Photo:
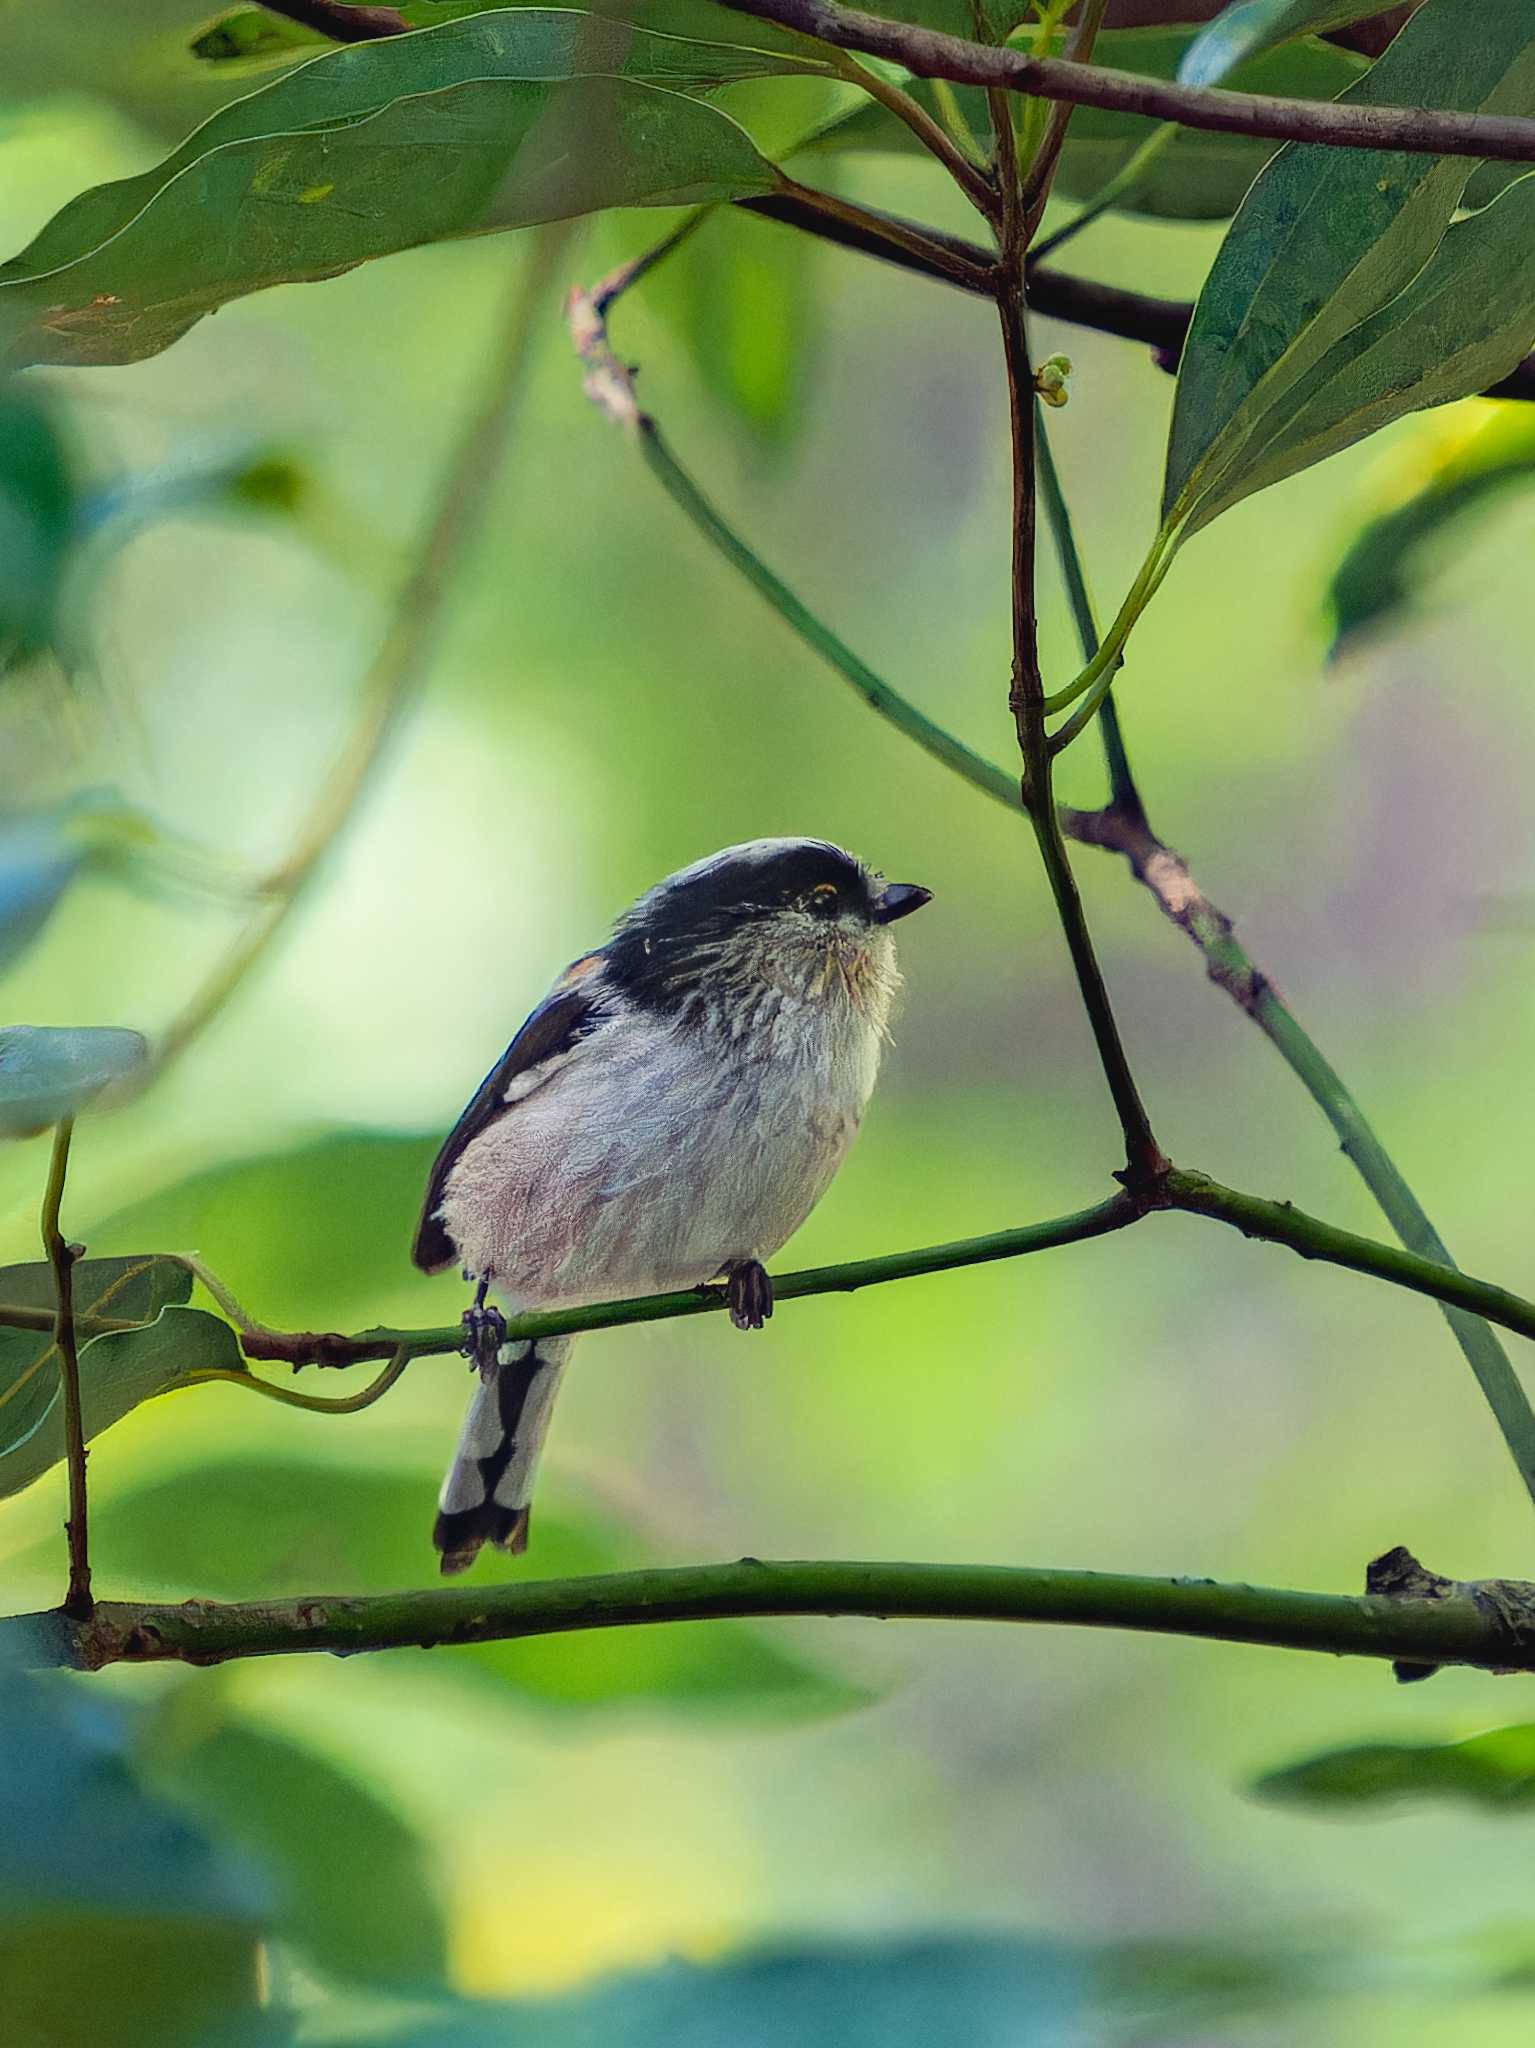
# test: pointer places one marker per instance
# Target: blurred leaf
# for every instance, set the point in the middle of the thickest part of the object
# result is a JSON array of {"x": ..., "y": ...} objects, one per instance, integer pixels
[
  {"x": 120, "y": 1921},
  {"x": 499, "y": 121},
  {"x": 1496, "y": 1770},
  {"x": 305, "y": 1236},
  {"x": 39, "y": 858},
  {"x": 48, "y": 1072},
  {"x": 118, "y": 1370},
  {"x": 1200, "y": 176},
  {"x": 914, "y": 1993},
  {"x": 1250, "y": 26},
  {"x": 742, "y": 300},
  {"x": 36, "y": 524},
  {"x": 1324, "y": 243},
  {"x": 354, "y": 1889},
  {"x": 270, "y": 1527},
  {"x": 1399, "y": 546},
  {"x": 250, "y": 36}
]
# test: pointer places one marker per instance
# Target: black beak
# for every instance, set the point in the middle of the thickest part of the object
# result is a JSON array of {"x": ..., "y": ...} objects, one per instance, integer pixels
[{"x": 899, "y": 899}]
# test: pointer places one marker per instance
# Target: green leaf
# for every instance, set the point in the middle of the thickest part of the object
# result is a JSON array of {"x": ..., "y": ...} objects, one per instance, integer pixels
[
  {"x": 1324, "y": 242},
  {"x": 1405, "y": 539},
  {"x": 1249, "y": 27},
  {"x": 37, "y": 511},
  {"x": 271, "y": 1527},
  {"x": 118, "y": 1370},
  {"x": 354, "y": 1889},
  {"x": 1463, "y": 323},
  {"x": 250, "y": 37},
  {"x": 741, "y": 299},
  {"x": 499, "y": 121},
  {"x": 1495, "y": 1770},
  {"x": 48, "y": 1072},
  {"x": 120, "y": 1921},
  {"x": 1201, "y": 176}
]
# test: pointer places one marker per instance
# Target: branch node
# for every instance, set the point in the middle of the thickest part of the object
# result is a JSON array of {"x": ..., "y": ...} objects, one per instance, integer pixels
[{"x": 1507, "y": 1605}]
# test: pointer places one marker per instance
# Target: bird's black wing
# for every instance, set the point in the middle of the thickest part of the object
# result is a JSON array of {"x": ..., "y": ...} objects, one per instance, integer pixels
[{"x": 567, "y": 1013}]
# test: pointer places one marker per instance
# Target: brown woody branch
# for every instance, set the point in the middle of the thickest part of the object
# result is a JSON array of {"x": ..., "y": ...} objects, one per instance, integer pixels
[
  {"x": 1340, "y": 124},
  {"x": 343, "y": 24}
]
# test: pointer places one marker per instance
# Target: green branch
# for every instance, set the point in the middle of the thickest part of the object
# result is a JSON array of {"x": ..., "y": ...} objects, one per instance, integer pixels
[
  {"x": 307, "y": 1347},
  {"x": 1488, "y": 1626}
]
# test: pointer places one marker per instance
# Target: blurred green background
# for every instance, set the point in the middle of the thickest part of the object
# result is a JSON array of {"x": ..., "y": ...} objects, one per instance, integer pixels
[{"x": 609, "y": 704}]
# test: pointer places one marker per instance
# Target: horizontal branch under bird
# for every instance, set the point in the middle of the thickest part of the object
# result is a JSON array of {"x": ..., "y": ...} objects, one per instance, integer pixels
[{"x": 1417, "y": 1620}]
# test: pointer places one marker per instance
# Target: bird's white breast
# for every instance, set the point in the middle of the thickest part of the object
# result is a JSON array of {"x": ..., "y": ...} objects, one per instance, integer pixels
[{"x": 657, "y": 1152}]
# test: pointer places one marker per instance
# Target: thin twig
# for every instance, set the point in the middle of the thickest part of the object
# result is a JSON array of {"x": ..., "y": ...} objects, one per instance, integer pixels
[
  {"x": 1041, "y": 172},
  {"x": 1416, "y": 1619},
  {"x": 61, "y": 1257},
  {"x": 402, "y": 663},
  {"x": 910, "y": 245},
  {"x": 1341, "y": 124},
  {"x": 317, "y": 1404},
  {"x": 976, "y": 187},
  {"x": 309, "y": 1347}
]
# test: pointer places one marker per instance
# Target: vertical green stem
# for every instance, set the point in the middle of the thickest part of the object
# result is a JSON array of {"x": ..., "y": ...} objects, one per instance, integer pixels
[{"x": 61, "y": 1257}]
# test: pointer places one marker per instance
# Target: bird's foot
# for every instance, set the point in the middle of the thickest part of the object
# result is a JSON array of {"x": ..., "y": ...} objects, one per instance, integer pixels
[
  {"x": 749, "y": 1295},
  {"x": 484, "y": 1334}
]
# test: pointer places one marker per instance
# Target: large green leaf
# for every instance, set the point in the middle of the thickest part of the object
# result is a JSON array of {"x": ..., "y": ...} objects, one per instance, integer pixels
[
  {"x": 1465, "y": 320},
  {"x": 119, "y": 1920},
  {"x": 1201, "y": 176},
  {"x": 1495, "y": 1770},
  {"x": 498, "y": 121},
  {"x": 1324, "y": 242},
  {"x": 1404, "y": 539},
  {"x": 353, "y": 1883},
  {"x": 1248, "y": 27},
  {"x": 118, "y": 1370},
  {"x": 272, "y": 1527},
  {"x": 48, "y": 1072}
]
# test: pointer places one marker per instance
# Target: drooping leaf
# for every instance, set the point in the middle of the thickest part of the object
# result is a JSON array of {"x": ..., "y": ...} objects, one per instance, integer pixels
[
  {"x": 1248, "y": 27},
  {"x": 352, "y": 1882},
  {"x": 498, "y": 121},
  {"x": 270, "y": 1527},
  {"x": 37, "y": 512},
  {"x": 48, "y": 1072},
  {"x": 119, "y": 1919},
  {"x": 1495, "y": 1770},
  {"x": 1465, "y": 320},
  {"x": 1201, "y": 176},
  {"x": 118, "y": 1369},
  {"x": 1326, "y": 239},
  {"x": 1404, "y": 538}
]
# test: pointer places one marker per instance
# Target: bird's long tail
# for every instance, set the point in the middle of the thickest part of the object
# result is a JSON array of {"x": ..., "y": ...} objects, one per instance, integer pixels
[{"x": 487, "y": 1495}]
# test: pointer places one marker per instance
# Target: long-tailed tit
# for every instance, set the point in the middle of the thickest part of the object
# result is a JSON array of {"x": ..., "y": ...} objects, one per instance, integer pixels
[{"x": 668, "y": 1116}]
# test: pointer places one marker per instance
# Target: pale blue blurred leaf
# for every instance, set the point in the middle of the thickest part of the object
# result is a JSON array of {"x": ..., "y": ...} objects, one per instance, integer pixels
[{"x": 48, "y": 1072}]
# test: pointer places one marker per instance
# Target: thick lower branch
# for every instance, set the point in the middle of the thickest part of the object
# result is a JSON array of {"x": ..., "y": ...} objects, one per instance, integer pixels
[{"x": 1490, "y": 1625}]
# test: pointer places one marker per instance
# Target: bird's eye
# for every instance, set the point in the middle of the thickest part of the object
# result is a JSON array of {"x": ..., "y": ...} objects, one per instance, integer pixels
[{"x": 822, "y": 900}]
